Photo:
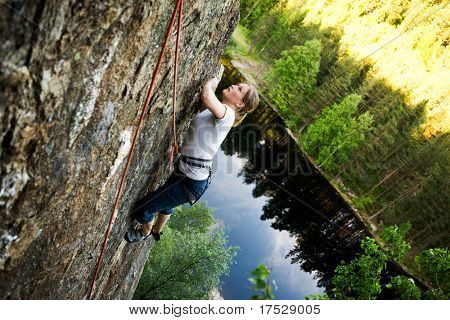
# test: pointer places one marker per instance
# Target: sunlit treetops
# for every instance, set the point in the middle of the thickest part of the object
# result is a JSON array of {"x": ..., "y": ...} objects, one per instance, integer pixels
[{"x": 405, "y": 41}]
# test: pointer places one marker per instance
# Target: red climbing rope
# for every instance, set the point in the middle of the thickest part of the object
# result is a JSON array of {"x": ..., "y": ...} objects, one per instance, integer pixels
[{"x": 178, "y": 7}]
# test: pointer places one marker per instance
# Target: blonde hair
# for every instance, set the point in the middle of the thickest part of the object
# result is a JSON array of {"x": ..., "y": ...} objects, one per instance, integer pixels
[{"x": 251, "y": 101}]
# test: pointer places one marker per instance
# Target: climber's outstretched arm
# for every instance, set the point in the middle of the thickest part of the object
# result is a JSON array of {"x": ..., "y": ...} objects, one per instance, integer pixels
[{"x": 210, "y": 100}]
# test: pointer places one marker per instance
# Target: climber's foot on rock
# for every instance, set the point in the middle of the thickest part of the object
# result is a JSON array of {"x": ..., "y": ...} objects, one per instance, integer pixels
[
  {"x": 139, "y": 233},
  {"x": 135, "y": 235}
]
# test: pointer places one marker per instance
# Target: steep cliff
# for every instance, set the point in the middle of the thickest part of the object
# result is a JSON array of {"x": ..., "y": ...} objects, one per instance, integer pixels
[{"x": 73, "y": 77}]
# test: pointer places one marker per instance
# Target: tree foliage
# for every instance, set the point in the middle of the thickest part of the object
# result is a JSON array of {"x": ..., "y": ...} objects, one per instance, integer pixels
[
  {"x": 435, "y": 266},
  {"x": 404, "y": 288},
  {"x": 393, "y": 238},
  {"x": 360, "y": 279},
  {"x": 252, "y": 10},
  {"x": 337, "y": 133},
  {"x": 197, "y": 218},
  {"x": 317, "y": 296},
  {"x": 188, "y": 261},
  {"x": 261, "y": 283},
  {"x": 293, "y": 78}
]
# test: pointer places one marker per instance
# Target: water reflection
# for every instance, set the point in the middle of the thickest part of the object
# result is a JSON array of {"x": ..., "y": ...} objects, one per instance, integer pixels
[
  {"x": 240, "y": 214},
  {"x": 298, "y": 199}
]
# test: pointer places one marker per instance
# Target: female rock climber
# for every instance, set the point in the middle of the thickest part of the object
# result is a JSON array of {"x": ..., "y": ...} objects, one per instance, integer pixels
[{"x": 192, "y": 173}]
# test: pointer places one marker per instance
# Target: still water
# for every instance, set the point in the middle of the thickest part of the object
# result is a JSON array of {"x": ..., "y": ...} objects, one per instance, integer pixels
[
  {"x": 240, "y": 213},
  {"x": 278, "y": 209}
]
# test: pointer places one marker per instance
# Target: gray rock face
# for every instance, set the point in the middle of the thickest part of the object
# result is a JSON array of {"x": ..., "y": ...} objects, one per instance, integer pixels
[{"x": 73, "y": 76}]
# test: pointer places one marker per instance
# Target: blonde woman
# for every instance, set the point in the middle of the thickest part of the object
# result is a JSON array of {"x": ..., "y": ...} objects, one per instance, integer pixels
[{"x": 192, "y": 173}]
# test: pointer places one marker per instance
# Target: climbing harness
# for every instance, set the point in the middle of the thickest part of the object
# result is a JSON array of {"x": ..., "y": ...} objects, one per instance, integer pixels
[
  {"x": 198, "y": 163},
  {"x": 174, "y": 148}
]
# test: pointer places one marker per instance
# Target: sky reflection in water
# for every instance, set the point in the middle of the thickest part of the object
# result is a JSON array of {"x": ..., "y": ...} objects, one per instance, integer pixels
[{"x": 240, "y": 213}]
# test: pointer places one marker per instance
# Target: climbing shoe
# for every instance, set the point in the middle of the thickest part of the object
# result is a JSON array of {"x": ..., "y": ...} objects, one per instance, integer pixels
[
  {"x": 135, "y": 235},
  {"x": 156, "y": 236}
]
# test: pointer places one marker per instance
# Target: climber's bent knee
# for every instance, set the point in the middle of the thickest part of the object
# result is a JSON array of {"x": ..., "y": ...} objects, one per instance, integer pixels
[
  {"x": 145, "y": 218},
  {"x": 167, "y": 211}
]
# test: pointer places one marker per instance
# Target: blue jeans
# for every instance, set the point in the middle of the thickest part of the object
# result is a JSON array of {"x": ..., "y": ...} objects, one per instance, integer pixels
[{"x": 167, "y": 197}]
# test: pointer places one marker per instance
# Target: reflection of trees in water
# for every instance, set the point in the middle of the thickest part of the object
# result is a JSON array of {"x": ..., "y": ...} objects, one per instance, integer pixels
[{"x": 300, "y": 200}]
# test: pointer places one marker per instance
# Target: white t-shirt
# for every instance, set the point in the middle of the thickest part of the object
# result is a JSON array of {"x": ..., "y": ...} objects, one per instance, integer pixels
[{"x": 206, "y": 134}]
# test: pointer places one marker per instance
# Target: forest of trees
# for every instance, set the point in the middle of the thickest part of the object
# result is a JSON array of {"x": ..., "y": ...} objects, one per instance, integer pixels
[{"x": 379, "y": 70}]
